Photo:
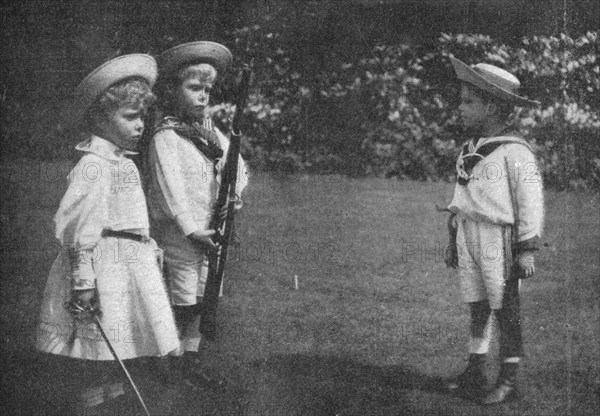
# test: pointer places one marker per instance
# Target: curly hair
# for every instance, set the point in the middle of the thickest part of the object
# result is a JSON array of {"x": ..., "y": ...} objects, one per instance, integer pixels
[{"x": 131, "y": 91}]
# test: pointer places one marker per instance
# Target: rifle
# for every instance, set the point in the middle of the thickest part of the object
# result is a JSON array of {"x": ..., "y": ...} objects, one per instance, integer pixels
[{"x": 223, "y": 228}]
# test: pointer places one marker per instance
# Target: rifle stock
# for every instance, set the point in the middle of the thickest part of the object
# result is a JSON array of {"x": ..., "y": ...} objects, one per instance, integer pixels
[{"x": 223, "y": 228}]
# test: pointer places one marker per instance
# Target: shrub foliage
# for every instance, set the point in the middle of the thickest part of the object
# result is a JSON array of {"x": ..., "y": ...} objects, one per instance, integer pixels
[
  {"x": 388, "y": 112},
  {"x": 393, "y": 112}
]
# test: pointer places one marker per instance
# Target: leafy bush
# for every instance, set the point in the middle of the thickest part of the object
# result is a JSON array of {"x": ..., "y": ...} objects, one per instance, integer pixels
[
  {"x": 393, "y": 112},
  {"x": 274, "y": 106},
  {"x": 388, "y": 112},
  {"x": 564, "y": 74}
]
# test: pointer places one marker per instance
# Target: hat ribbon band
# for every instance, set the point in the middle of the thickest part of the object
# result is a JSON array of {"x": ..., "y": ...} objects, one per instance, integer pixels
[{"x": 498, "y": 81}]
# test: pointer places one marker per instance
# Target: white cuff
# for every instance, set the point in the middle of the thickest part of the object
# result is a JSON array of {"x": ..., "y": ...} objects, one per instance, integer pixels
[{"x": 186, "y": 222}]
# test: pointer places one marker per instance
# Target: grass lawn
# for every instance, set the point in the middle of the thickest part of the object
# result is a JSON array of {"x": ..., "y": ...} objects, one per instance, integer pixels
[{"x": 376, "y": 323}]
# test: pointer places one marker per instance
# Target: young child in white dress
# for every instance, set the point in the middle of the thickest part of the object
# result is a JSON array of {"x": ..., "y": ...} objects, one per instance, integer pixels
[{"x": 108, "y": 263}]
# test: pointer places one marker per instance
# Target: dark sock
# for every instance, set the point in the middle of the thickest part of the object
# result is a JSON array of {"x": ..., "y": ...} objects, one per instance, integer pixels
[
  {"x": 477, "y": 359},
  {"x": 480, "y": 314},
  {"x": 183, "y": 316}
]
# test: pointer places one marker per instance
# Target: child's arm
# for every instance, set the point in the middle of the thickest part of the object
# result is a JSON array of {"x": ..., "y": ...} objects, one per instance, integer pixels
[
  {"x": 203, "y": 237},
  {"x": 82, "y": 214},
  {"x": 526, "y": 188},
  {"x": 170, "y": 171}
]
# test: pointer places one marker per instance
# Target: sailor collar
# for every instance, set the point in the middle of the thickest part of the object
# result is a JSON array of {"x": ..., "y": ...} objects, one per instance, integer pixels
[
  {"x": 103, "y": 148},
  {"x": 473, "y": 152}
]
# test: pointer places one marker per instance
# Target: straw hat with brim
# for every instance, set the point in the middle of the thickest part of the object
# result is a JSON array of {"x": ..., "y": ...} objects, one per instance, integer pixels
[
  {"x": 206, "y": 52},
  {"x": 494, "y": 80},
  {"x": 107, "y": 74}
]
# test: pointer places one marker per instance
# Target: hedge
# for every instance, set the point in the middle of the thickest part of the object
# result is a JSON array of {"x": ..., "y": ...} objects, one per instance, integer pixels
[
  {"x": 390, "y": 112},
  {"x": 393, "y": 111}
]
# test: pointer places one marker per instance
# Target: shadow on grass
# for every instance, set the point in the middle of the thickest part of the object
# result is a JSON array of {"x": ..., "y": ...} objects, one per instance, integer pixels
[
  {"x": 35, "y": 383},
  {"x": 32, "y": 384},
  {"x": 326, "y": 385}
]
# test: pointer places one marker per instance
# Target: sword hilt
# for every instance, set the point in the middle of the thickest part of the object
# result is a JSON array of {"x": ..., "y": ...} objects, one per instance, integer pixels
[{"x": 79, "y": 311}]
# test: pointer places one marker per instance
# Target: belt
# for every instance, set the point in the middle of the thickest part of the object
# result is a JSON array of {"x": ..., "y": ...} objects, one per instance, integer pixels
[{"x": 107, "y": 232}]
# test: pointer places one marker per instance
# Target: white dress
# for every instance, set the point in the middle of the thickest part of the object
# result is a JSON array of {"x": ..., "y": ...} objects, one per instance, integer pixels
[{"x": 105, "y": 193}]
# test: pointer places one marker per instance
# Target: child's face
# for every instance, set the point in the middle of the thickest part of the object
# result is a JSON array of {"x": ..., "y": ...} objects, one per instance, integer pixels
[
  {"x": 124, "y": 127},
  {"x": 473, "y": 110},
  {"x": 192, "y": 97}
]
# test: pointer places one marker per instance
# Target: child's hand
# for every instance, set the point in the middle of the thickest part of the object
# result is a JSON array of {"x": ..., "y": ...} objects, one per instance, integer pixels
[
  {"x": 223, "y": 213},
  {"x": 238, "y": 204},
  {"x": 84, "y": 297},
  {"x": 203, "y": 238},
  {"x": 236, "y": 207},
  {"x": 84, "y": 304},
  {"x": 526, "y": 264}
]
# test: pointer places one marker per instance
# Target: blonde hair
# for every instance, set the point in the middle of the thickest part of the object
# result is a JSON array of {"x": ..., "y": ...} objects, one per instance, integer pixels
[
  {"x": 167, "y": 86},
  {"x": 131, "y": 91},
  {"x": 205, "y": 72}
]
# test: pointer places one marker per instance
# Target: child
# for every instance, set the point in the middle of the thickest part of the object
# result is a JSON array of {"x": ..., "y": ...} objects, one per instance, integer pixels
[
  {"x": 186, "y": 157},
  {"x": 498, "y": 209},
  {"x": 107, "y": 262}
]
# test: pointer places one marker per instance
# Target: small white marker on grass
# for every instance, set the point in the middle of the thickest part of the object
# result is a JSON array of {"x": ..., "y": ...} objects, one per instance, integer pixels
[{"x": 295, "y": 282}]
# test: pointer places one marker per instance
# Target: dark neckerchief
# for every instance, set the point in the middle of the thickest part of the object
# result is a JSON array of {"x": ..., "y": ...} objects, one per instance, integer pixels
[
  {"x": 473, "y": 157},
  {"x": 205, "y": 140}
]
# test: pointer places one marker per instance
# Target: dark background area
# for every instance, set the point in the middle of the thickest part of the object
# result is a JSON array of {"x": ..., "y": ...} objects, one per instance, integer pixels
[
  {"x": 48, "y": 46},
  {"x": 355, "y": 87}
]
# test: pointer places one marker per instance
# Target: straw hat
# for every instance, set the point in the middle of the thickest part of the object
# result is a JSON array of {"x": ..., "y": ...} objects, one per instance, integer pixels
[
  {"x": 207, "y": 52},
  {"x": 109, "y": 73},
  {"x": 494, "y": 80}
]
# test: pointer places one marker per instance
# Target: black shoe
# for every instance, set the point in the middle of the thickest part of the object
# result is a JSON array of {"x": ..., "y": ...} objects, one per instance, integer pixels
[
  {"x": 472, "y": 383},
  {"x": 192, "y": 372},
  {"x": 503, "y": 392},
  {"x": 506, "y": 386}
]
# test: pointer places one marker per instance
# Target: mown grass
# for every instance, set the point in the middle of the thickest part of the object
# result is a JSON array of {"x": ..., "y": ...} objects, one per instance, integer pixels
[{"x": 375, "y": 325}]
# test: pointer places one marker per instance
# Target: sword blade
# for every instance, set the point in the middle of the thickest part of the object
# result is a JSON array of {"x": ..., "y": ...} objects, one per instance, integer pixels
[{"x": 112, "y": 351}]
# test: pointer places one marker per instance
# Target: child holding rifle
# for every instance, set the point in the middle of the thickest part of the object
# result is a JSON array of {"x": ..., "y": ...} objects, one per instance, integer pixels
[
  {"x": 108, "y": 265},
  {"x": 185, "y": 162},
  {"x": 498, "y": 212}
]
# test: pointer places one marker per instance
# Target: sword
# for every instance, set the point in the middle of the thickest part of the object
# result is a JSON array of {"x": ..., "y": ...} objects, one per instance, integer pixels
[{"x": 79, "y": 311}]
